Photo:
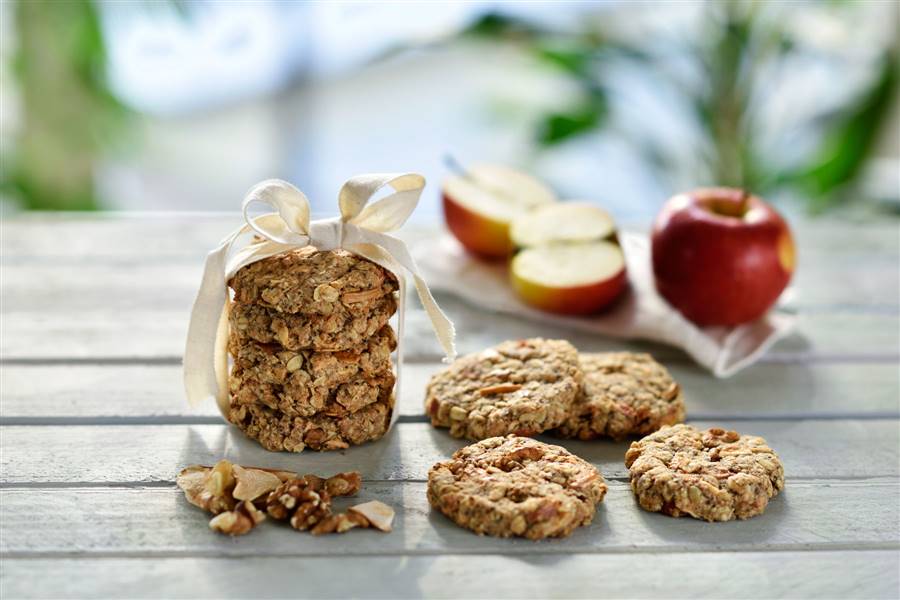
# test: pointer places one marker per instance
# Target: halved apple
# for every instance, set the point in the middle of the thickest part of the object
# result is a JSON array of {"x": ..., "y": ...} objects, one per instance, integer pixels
[
  {"x": 564, "y": 222},
  {"x": 575, "y": 279},
  {"x": 480, "y": 204}
]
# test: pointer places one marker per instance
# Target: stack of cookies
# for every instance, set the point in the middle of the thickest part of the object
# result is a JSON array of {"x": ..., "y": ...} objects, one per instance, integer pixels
[{"x": 311, "y": 349}]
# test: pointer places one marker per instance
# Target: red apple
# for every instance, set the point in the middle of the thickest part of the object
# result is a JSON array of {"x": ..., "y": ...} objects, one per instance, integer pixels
[
  {"x": 721, "y": 256},
  {"x": 480, "y": 204},
  {"x": 575, "y": 279}
]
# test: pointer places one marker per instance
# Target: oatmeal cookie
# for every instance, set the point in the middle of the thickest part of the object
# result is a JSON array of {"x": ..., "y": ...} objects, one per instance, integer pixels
[
  {"x": 315, "y": 282},
  {"x": 522, "y": 387},
  {"x": 270, "y": 363},
  {"x": 623, "y": 394},
  {"x": 340, "y": 330},
  {"x": 715, "y": 475},
  {"x": 300, "y": 396},
  {"x": 276, "y": 431},
  {"x": 516, "y": 486}
]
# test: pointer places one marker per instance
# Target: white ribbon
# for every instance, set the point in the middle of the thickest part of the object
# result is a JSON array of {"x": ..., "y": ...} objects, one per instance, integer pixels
[{"x": 362, "y": 228}]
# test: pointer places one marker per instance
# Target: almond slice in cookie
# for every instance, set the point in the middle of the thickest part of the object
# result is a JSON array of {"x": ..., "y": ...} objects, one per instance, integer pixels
[{"x": 502, "y": 388}]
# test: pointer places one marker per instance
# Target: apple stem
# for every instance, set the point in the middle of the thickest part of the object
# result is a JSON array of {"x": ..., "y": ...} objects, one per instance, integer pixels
[{"x": 742, "y": 203}]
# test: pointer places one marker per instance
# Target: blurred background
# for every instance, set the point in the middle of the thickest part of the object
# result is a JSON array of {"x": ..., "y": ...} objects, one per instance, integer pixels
[{"x": 161, "y": 106}]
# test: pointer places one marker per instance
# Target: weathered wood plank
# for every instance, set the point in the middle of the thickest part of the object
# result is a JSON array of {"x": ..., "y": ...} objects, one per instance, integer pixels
[
  {"x": 869, "y": 574},
  {"x": 36, "y": 393},
  {"x": 817, "y": 515},
  {"x": 187, "y": 237},
  {"x": 134, "y": 326},
  {"x": 157, "y": 287},
  {"x": 152, "y": 453}
]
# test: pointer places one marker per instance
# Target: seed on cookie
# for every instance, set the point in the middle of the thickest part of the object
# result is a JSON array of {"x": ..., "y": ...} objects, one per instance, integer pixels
[
  {"x": 522, "y": 387},
  {"x": 715, "y": 475},
  {"x": 516, "y": 486},
  {"x": 623, "y": 394}
]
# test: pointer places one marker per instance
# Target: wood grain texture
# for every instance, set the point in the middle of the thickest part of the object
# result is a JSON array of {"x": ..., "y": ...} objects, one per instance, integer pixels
[
  {"x": 146, "y": 327},
  {"x": 42, "y": 393},
  {"x": 815, "y": 575},
  {"x": 88, "y": 287},
  {"x": 94, "y": 429},
  {"x": 151, "y": 453},
  {"x": 808, "y": 515},
  {"x": 184, "y": 237}
]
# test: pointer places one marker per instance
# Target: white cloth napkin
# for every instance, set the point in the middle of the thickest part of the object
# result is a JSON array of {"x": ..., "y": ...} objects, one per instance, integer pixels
[{"x": 641, "y": 314}]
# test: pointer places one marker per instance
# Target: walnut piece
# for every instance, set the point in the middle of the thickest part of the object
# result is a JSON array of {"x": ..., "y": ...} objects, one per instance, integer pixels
[
  {"x": 340, "y": 523},
  {"x": 302, "y": 501},
  {"x": 344, "y": 484},
  {"x": 239, "y": 521}
]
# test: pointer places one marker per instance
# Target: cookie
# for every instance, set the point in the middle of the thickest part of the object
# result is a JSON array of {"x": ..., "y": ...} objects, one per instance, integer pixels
[
  {"x": 276, "y": 431},
  {"x": 522, "y": 387},
  {"x": 715, "y": 475},
  {"x": 270, "y": 363},
  {"x": 623, "y": 394},
  {"x": 314, "y": 282},
  {"x": 516, "y": 486},
  {"x": 340, "y": 330},
  {"x": 300, "y": 397}
]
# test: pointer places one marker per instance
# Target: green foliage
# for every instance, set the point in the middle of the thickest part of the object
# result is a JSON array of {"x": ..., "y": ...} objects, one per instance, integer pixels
[
  {"x": 849, "y": 140},
  {"x": 731, "y": 54},
  {"x": 557, "y": 127},
  {"x": 69, "y": 115}
]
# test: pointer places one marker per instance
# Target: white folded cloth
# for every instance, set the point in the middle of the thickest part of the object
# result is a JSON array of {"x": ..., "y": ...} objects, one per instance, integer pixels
[{"x": 641, "y": 314}]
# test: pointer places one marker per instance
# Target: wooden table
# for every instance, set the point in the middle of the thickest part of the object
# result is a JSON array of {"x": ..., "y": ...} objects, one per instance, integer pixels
[{"x": 95, "y": 427}]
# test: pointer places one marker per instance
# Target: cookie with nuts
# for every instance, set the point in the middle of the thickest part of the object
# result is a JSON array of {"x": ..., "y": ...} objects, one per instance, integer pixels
[
  {"x": 516, "y": 486},
  {"x": 277, "y": 431},
  {"x": 304, "y": 383},
  {"x": 522, "y": 387},
  {"x": 714, "y": 475},
  {"x": 271, "y": 363},
  {"x": 314, "y": 282},
  {"x": 623, "y": 394},
  {"x": 339, "y": 330}
]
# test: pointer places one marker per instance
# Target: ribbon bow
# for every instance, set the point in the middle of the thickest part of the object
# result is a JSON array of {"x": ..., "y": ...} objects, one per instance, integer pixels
[{"x": 362, "y": 228}]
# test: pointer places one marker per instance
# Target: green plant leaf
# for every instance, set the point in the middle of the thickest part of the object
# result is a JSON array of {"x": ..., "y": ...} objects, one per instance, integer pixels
[
  {"x": 560, "y": 126},
  {"x": 850, "y": 140}
]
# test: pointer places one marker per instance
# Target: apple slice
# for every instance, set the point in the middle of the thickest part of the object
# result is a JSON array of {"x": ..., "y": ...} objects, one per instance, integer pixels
[
  {"x": 564, "y": 222},
  {"x": 480, "y": 204},
  {"x": 574, "y": 279}
]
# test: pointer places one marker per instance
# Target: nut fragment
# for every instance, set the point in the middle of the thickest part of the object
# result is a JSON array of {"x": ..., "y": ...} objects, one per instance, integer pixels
[
  {"x": 378, "y": 514},
  {"x": 340, "y": 523},
  {"x": 194, "y": 481},
  {"x": 458, "y": 413},
  {"x": 502, "y": 388},
  {"x": 344, "y": 484},
  {"x": 239, "y": 521},
  {"x": 325, "y": 293},
  {"x": 294, "y": 364},
  {"x": 253, "y": 483},
  {"x": 299, "y": 501},
  {"x": 221, "y": 479},
  {"x": 361, "y": 296}
]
